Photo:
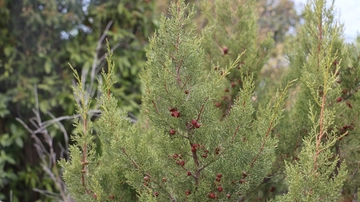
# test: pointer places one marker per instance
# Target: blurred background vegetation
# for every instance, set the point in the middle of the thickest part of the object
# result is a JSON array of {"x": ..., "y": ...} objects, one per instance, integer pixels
[{"x": 38, "y": 38}]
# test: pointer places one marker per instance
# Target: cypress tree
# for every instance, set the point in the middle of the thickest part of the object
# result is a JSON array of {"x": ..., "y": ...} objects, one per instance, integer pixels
[
  {"x": 197, "y": 140},
  {"x": 186, "y": 152}
]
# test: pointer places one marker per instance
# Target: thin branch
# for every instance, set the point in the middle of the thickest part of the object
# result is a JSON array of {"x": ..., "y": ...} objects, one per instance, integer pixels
[
  {"x": 95, "y": 62},
  {"x": 322, "y": 110},
  {"x": 104, "y": 56},
  {"x": 61, "y": 118},
  {"x": 202, "y": 109},
  {"x": 47, "y": 193},
  {"x": 48, "y": 164},
  {"x": 235, "y": 132},
  {"x": 65, "y": 134}
]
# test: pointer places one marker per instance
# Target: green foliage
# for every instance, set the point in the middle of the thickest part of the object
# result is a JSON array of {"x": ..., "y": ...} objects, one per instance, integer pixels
[
  {"x": 232, "y": 29},
  {"x": 347, "y": 118},
  {"x": 277, "y": 17},
  {"x": 9, "y": 146},
  {"x": 315, "y": 167},
  {"x": 307, "y": 183},
  {"x": 100, "y": 185},
  {"x": 184, "y": 134},
  {"x": 188, "y": 146},
  {"x": 36, "y": 39}
]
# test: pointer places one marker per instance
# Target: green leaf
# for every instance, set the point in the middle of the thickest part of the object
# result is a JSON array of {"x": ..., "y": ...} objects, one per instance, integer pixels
[
  {"x": 5, "y": 140},
  {"x": 5, "y": 158},
  {"x": 19, "y": 142},
  {"x": 125, "y": 62},
  {"x": 3, "y": 105},
  {"x": 8, "y": 50},
  {"x": 47, "y": 66},
  {"x": 10, "y": 160},
  {"x": 120, "y": 8}
]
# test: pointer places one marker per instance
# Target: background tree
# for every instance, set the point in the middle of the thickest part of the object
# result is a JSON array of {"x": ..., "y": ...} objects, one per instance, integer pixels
[
  {"x": 314, "y": 170},
  {"x": 37, "y": 40},
  {"x": 232, "y": 30},
  {"x": 348, "y": 119},
  {"x": 326, "y": 94}
]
